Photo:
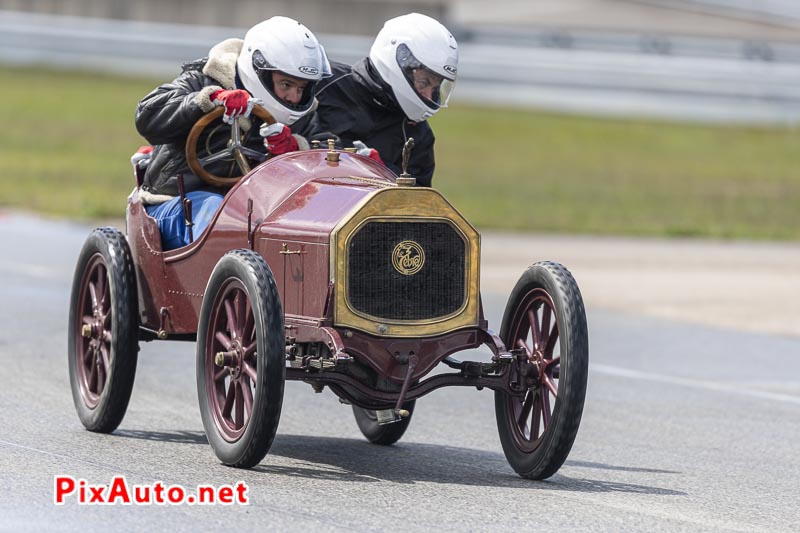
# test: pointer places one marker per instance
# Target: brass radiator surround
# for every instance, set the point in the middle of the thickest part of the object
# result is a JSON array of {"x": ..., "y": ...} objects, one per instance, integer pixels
[{"x": 403, "y": 204}]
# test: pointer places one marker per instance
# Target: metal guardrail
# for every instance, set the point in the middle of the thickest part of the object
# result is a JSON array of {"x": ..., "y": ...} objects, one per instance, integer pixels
[
  {"x": 750, "y": 9},
  {"x": 638, "y": 43},
  {"x": 610, "y": 74}
]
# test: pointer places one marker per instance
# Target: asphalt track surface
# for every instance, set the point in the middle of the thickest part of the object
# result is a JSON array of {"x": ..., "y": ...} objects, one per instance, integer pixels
[{"x": 687, "y": 428}]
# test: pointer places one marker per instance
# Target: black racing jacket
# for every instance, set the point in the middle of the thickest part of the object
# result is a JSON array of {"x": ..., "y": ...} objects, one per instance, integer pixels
[
  {"x": 166, "y": 116},
  {"x": 357, "y": 105}
]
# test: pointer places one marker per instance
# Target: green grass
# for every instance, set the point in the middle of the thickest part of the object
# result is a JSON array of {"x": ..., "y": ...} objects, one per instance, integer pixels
[
  {"x": 543, "y": 172},
  {"x": 67, "y": 137}
]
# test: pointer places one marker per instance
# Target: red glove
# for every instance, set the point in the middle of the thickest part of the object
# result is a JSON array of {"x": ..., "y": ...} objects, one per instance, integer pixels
[
  {"x": 235, "y": 102},
  {"x": 363, "y": 149},
  {"x": 278, "y": 138},
  {"x": 142, "y": 153}
]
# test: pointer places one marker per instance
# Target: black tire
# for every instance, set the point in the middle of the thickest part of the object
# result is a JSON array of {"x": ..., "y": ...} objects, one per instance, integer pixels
[
  {"x": 387, "y": 434},
  {"x": 102, "y": 358},
  {"x": 244, "y": 281},
  {"x": 532, "y": 454}
]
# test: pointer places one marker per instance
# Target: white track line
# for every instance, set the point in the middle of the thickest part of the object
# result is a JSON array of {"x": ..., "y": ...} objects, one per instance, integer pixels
[
  {"x": 693, "y": 383},
  {"x": 56, "y": 455}
]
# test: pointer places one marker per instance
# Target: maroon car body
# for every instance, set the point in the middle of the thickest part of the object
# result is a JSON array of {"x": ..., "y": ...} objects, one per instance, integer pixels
[
  {"x": 375, "y": 283},
  {"x": 286, "y": 211}
]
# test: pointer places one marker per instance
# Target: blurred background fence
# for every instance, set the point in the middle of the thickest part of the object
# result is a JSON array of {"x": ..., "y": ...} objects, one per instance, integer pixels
[{"x": 697, "y": 60}]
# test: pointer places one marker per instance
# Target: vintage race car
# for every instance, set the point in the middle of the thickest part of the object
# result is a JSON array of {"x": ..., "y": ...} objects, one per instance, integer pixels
[{"x": 325, "y": 267}]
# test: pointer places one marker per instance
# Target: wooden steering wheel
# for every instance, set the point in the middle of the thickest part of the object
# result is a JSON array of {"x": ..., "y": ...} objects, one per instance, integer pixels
[{"x": 234, "y": 149}]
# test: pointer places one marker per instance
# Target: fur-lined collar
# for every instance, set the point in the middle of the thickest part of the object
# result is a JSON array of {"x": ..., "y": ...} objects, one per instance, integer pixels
[{"x": 221, "y": 64}]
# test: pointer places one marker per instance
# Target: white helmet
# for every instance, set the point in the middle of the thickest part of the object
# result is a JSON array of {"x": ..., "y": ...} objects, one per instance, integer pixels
[
  {"x": 418, "y": 58},
  {"x": 282, "y": 44}
]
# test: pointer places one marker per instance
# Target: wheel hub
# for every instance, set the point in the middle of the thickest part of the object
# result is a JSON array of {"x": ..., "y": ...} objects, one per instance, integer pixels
[
  {"x": 233, "y": 360},
  {"x": 95, "y": 331},
  {"x": 532, "y": 369},
  {"x": 537, "y": 360}
]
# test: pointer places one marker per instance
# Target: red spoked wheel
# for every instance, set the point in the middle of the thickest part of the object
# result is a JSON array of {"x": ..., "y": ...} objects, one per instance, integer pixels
[
  {"x": 545, "y": 325},
  {"x": 240, "y": 359},
  {"x": 94, "y": 351},
  {"x": 536, "y": 333},
  {"x": 103, "y": 331},
  {"x": 232, "y": 371}
]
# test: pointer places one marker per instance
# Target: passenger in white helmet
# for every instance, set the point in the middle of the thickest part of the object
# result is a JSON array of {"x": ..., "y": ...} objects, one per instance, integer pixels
[
  {"x": 279, "y": 63},
  {"x": 387, "y": 97}
]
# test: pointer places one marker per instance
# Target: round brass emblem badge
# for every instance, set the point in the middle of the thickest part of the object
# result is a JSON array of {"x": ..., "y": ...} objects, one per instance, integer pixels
[{"x": 408, "y": 258}]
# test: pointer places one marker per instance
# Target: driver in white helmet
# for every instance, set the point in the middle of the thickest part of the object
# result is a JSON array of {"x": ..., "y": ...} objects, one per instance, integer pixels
[
  {"x": 387, "y": 97},
  {"x": 279, "y": 62}
]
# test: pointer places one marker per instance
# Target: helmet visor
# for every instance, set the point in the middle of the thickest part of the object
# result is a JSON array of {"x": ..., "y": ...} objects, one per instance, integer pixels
[
  {"x": 432, "y": 88},
  {"x": 294, "y": 93}
]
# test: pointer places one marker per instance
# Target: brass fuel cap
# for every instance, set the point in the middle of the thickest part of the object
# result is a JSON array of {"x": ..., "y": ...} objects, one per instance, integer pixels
[{"x": 333, "y": 155}]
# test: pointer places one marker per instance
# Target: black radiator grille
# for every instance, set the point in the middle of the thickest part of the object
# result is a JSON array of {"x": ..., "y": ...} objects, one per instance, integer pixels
[{"x": 430, "y": 290}]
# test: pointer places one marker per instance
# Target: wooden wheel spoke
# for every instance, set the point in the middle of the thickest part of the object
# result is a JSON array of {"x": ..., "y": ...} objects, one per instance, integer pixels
[
  {"x": 105, "y": 359},
  {"x": 231, "y": 316},
  {"x": 546, "y": 411},
  {"x": 547, "y": 313},
  {"x": 525, "y": 412},
  {"x": 101, "y": 377},
  {"x": 238, "y": 406},
  {"x": 92, "y": 379},
  {"x": 247, "y": 395},
  {"x": 241, "y": 314},
  {"x": 93, "y": 294},
  {"x": 220, "y": 374},
  {"x": 250, "y": 371},
  {"x": 249, "y": 350},
  {"x": 537, "y": 416},
  {"x": 226, "y": 409},
  {"x": 101, "y": 285},
  {"x": 535, "y": 331},
  {"x": 548, "y": 382},
  {"x": 224, "y": 340}
]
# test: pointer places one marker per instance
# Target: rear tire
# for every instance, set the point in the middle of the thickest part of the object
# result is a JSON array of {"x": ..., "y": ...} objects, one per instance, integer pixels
[
  {"x": 384, "y": 435},
  {"x": 103, "y": 331}
]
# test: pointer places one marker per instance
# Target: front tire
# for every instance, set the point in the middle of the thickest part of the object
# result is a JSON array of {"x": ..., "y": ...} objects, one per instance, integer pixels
[
  {"x": 103, "y": 331},
  {"x": 241, "y": 367},
  {"x": 545, "y": 318}
]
